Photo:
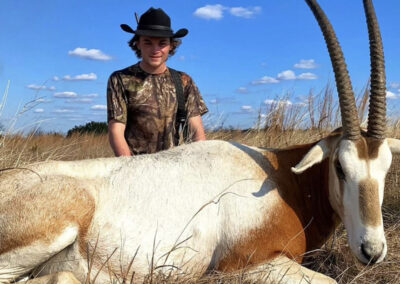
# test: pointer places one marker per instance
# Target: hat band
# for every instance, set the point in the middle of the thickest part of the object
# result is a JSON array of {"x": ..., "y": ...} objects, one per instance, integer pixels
[{"x": 153, "y": 27}]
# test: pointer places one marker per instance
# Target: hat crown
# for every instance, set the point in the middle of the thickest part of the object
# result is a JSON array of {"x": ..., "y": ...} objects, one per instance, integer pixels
[
  {"x": 155, "y": 23},
  {"x": 154, "y": 17}
]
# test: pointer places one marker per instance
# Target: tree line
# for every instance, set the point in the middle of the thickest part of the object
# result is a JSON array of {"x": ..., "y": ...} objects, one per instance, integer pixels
[{"x": 92, "y": 127}]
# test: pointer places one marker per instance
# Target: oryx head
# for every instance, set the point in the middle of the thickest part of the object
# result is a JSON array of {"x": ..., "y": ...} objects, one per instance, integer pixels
[{"x": 358, "y": 160}]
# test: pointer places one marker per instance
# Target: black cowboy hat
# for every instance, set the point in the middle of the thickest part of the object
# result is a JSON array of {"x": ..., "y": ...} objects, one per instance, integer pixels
[{"x": 155, "y": 23}]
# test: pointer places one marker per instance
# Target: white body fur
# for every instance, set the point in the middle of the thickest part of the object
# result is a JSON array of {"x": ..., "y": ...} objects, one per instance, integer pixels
[{"x": 189, "y": 193}]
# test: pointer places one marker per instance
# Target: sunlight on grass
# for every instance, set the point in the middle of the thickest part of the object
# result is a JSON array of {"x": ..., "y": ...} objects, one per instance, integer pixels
[{"x": 282, "y": 125}]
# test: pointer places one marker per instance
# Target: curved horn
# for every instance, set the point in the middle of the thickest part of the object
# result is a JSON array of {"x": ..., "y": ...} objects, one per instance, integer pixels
[
  {"x": 351, "y": 125},
  {"x": 377, "y": 100}
]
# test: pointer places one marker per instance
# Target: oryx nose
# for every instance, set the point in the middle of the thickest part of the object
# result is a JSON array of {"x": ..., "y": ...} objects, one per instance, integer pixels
[{"x": 372, "y": 252}]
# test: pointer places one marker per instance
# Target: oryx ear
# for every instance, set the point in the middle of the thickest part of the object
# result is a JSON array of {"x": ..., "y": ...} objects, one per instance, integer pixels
[
  {"x": 394, "y": 145},
  {"x": 315, "y": 155}
]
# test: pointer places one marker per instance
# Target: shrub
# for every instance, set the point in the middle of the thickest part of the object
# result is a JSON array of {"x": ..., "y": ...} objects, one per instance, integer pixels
[{"x": 92, "y": 127}]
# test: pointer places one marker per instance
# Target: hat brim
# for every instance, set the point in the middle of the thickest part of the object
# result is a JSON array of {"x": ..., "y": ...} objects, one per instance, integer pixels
[
  {"x": 155, "y": 33},
  {"x": 127, "y": 28},
  {"x": 181, "y": 33}
]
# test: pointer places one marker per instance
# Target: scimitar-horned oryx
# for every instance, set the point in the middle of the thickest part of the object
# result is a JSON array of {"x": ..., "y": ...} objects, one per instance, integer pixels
[{"x": 210, "y": 205}]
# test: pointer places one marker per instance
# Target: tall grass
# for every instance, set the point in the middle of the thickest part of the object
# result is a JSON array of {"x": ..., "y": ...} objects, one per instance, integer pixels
[
  {"x": 17, "y": 150},
  {"x": 281, "y": 125}
]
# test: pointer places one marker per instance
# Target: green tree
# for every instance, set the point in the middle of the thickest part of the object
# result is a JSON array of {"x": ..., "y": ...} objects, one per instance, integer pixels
[{"x": 92, "y": 127}]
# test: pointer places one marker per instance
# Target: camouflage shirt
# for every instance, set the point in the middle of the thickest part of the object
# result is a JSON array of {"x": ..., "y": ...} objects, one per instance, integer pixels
[{"x": 147, "y": 105}]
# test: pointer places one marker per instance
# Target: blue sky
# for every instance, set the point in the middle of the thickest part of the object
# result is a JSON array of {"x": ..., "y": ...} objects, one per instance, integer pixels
[{"x": 241, "y": 54}]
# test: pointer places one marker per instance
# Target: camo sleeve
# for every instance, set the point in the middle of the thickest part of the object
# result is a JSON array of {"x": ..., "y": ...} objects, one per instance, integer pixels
[
  {"x": 116, "y": 103},
  {"x": 194, "y": 102}
]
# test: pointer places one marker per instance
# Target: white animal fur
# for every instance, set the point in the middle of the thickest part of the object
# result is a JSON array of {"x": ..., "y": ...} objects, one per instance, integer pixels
[
  {"x": 182, "y": 208},
  {"x": 202, "y": 182}
]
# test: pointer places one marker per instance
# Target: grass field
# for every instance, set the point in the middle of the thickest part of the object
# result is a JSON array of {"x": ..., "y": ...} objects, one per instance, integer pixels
[
  {"x": 282, "y": 126},
  {"x": 333, "y": 259}
]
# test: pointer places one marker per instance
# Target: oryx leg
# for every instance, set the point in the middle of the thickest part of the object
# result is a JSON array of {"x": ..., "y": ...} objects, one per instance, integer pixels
[
  {"x": 284, "y": 270},
  {"x": 69, "y": 259},
  {"x": 39, "y": 221},
  {"x": 55, "y": 278},
  {"x": 21, "y": 260}
]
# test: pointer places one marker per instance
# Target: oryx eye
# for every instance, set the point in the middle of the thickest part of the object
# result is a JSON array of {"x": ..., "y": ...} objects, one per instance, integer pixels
[{"x": 339, "y": 170}]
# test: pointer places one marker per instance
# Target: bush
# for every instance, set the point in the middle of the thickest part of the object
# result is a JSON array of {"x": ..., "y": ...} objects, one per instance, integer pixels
[{"x": 89, "y": 128}]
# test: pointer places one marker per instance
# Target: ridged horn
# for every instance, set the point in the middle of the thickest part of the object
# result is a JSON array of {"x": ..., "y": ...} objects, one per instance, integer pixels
[
  {"x": 351, "y": 125},
  {"x": 377, "y": 100}
]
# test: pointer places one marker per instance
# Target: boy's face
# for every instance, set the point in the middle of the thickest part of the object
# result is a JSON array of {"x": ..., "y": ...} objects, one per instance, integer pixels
[{"x": 154, "y": 50}]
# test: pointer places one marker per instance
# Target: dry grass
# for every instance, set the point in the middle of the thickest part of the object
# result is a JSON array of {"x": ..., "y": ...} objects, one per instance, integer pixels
[
  {"x": 334, "y": 259},
  {"x": 284, "y": 125},
  {"x": 16, "y": 150}
]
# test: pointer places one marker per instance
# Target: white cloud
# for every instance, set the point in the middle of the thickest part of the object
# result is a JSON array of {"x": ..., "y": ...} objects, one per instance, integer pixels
[
  {"x": 181, "y": 57},
  {"x": 246, "y": 108},
  {"x": 81, "y": 77},
  {"x": 98, "y": 114},
  {"x": 38, "y": 110},
  {"x": 214, "y": 12},
  {"x": 242, "y": 90},
  {"x": 65, "y": 95},
  {"x": 269, "y": 102},
  {"x": 306, "y": 64},
  {"x": 307, "y": 76},
  {"x": 242, "y": 12},
  {"x": 42, "y": 87},
  {"x": 290, "y": 75},
  {"x": 223, "y": 100},
  {"x": 95, "y": 54},
  {"x": 302, "y": 104},
  {"x": 265, "y": 80},
  {"x": 55, "y": 78},
  {"x": 394, "y": 85},
  {"x": 98, "y": 107},
  {"x": 390, "y": 95},
  {"x": 63, "y": 110},
  {"x": 91, "y": 95},
  {"x": 36, "y": 87},
  {"x": 42, "y": 100},
  {"x": 286, "y": 75},
  {"x": 80, "y": 100},
  {"x": 279, "y": 102}
]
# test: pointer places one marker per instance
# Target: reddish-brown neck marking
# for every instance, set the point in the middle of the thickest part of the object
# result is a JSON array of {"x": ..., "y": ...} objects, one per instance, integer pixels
[{"x": 302, "y": 220}]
